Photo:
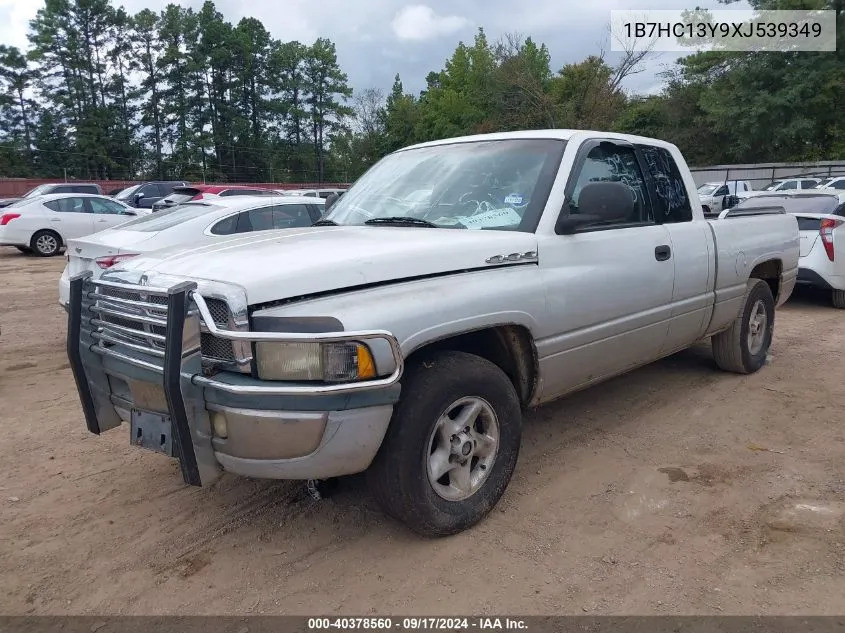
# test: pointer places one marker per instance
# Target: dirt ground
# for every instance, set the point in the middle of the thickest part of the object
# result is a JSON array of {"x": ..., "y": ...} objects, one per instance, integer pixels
[{"x": 651, "y": 494}]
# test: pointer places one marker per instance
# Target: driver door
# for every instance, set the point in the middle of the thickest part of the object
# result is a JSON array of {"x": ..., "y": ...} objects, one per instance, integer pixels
[{"x": 608, "y": 287}]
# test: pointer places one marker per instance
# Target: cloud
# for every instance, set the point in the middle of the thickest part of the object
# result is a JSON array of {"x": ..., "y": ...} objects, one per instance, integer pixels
[
  {"x": 418, "y": 37},
  {"x": 419, "y": 22}
]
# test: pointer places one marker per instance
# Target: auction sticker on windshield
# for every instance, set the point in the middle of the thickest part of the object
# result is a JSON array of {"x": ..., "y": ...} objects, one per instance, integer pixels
[{"x": 491, "y": 219}]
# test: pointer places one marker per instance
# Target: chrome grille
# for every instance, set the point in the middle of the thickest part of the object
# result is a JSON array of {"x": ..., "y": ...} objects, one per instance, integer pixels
[{"x": 132, "y": 320}]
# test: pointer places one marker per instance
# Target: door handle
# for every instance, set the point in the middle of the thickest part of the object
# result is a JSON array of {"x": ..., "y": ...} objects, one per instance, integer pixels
[
  {"x": 662, "y": 252},
  {"x": 102, "y": 220}
]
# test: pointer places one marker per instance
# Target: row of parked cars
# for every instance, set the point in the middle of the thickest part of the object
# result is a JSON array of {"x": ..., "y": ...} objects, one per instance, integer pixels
[
  {"x": 47, "y": 217},
  {"x": 716, "y": 196},
  {"x": 819, "y": 206}
]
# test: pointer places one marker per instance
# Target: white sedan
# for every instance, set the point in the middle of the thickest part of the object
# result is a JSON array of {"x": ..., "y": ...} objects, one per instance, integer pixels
[
  {"x": 45, "y": 224},
  {"x": 187, "y": 223}
]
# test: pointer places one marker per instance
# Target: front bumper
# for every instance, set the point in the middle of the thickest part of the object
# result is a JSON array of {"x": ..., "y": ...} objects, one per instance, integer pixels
[{"x": 227, "y": 421}]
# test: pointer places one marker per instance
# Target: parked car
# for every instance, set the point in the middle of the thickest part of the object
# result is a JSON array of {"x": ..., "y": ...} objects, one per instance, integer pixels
[
  {"x": 145, "y": 194},
  {"x": 406, "y": 339},
  {"x": 312, "y": 193},
  {"x": 203, "y": 192},
  {"x": 189, "y": 223},
  {"x": 43, "y": 225},
  {"x": 714, "y": 195},
  {"x": 63, "y": 187},
  {"x": 832, "y": 183},
  {"x": 821, "y": 216},
  {"x": 787, "y": 184}
]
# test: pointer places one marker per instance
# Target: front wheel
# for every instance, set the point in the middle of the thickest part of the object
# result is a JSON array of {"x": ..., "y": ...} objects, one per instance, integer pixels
[
  {"x": 452, "y": 445},
  {"x": 743, "y": 347}
]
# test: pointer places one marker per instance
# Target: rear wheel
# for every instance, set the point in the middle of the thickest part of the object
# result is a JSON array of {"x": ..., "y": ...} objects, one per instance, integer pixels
[
  {"x": 452, "y": 445},
  {"x": 743, "y": 347},
  {"x": 839, "y": 299},
  {"x": 46, "y": 243}
]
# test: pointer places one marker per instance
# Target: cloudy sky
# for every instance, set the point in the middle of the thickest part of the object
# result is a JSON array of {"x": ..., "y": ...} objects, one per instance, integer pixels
[{"x": 377, "y": 38}]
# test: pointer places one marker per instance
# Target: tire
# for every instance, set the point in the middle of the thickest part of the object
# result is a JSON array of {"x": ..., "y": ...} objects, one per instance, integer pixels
[
  {"x": 26, "y": 250},
  {"x": 738, "y": 349},
  {"x": 705, "y": 209},
  {"x": 839, "y": 299},
  {"x": 46, "y": 243},
  {"x": 399, "y": 476}
]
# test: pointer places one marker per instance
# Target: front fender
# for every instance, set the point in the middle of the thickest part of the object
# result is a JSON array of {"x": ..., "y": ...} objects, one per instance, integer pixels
[{"x": 423, "y": 311}]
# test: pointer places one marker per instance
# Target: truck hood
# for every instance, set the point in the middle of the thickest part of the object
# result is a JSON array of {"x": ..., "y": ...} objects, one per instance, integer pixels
[{"x": 274, "y": 265}]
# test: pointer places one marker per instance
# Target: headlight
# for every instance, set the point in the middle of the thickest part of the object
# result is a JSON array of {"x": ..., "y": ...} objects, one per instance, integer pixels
[{"x": 330, "y": 362}]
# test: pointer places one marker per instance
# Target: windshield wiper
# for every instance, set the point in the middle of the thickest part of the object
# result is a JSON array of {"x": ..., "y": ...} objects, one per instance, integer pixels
[
  {"x": 402, "y": 221},
  {"x": 325, "y": 223}
]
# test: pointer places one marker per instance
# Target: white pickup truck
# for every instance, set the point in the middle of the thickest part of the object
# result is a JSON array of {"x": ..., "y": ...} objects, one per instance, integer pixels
[{"x": 405, "y": 335}]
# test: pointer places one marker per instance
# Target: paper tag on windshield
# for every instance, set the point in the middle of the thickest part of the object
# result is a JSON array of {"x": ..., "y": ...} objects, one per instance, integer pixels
[
  {"x": 444, "y": 221},
  {"x": 494, "y": 218}
]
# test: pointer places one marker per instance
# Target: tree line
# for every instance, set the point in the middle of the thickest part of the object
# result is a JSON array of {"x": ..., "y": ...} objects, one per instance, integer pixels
[
  {"x": 180, "y": 94},
  {"x": 185, "y": 94}
]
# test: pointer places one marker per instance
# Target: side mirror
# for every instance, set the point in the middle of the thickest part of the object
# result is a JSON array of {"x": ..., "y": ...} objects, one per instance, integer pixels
[
  {"x": 330, "y": 200},
  {"x": 598, "y": 202},
  {"x": 138, "y": 197},
  {"x": 128, "y": 212}
]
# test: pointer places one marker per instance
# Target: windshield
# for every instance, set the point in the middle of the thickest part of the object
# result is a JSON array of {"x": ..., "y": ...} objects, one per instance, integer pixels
[
  {"x": 707, "y": 190},
  {"x": 792, "y": 203},
  {"x": 40, "y": 189},
  {"x": 126, "y": 193},
  {"x": 167, "y": 218},
  {"x": 499, "y": 185}
]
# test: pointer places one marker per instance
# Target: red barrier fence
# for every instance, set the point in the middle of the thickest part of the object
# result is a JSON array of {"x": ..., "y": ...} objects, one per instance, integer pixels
[{"x": 14, "y": 187}]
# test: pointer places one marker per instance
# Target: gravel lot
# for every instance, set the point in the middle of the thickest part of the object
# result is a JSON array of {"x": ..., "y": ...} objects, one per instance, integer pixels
[{"x": 674, "y": 489}]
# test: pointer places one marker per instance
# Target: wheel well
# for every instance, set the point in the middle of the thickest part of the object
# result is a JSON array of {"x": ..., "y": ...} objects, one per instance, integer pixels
[
  {"x": 509, "y": 347},
  {"x": 770, "y": 273}
]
